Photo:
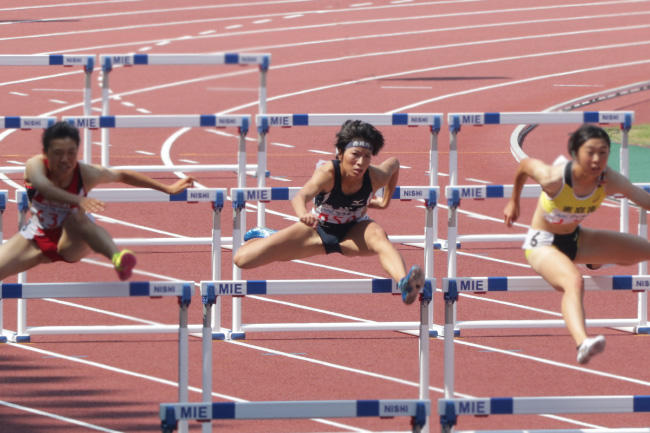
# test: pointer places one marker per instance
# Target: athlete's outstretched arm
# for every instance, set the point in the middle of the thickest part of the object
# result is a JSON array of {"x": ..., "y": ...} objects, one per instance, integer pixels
[{"x": 95, "y": 175}]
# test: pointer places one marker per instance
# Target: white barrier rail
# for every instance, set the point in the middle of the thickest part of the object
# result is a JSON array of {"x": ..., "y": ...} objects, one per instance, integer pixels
[
  {"x": 215, "y": 196},
  {"x": 66, "y": 60},
  {"x": 212, "y": 290},
  {"x": 418, "y": 410}
]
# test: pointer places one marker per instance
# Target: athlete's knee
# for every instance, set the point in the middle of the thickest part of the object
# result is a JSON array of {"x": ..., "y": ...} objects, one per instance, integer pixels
[
  {"x": 376, "y": 237},
  {"x": 243, "y": 259},
  {"x": 573, "y": 284}
]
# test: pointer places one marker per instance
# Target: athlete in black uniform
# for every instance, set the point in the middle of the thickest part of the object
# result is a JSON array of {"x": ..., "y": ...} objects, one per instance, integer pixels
[{"x": 342, "y": 191}]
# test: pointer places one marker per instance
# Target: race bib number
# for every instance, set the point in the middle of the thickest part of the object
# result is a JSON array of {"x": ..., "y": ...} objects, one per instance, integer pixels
[{"x": 537, "y": 238}]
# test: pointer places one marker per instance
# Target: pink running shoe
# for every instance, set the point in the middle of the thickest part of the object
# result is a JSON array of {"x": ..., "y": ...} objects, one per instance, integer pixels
[{"x": 124, "y": 262}]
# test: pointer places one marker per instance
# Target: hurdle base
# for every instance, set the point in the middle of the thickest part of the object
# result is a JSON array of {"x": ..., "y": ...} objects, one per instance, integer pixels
[
  {"x": 643, "y": 330},
  {"x": 433, "y": 333},
  {"x": 3, "y": 339},
  {"x": 237, "y": 335},
  {"x": 218, "y": 335},
  {"x": 22, "y": 339}
]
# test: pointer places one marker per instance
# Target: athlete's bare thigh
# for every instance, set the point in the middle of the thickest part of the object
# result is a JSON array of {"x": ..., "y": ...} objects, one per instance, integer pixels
[{"x": 19, "y": 254}]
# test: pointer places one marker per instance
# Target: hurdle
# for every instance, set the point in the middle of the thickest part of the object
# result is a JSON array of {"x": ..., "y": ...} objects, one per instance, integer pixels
[
  {"x": 418, "y": 410},
  {"x": 266, "y": 121},
  {"x": 211, "y": 290},
  {"x": 181, "y": 289},
  {"x": 450, "y": 409},
  {"x": 241, "y": 122},
  {"x": 66, "y": 60},
  {"x": 11, "y": 123},
  {"x": 457, "y": 120},
  {"x": 215, "y": 196},
  {"x": 239, "y": 198},
  {"x": 108, "y": 61}
]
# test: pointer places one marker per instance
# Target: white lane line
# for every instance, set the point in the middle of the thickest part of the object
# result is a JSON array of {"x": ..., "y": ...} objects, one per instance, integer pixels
[
  {"x": 64, "y": 419},
  {"x": 300, "y": 358},
  {"x": 143, "y": 110},
  {"x": 326, "y": 25},
  {"x": 406, "y": 87},
  {"x": 262, "y": 21},
  {"x": 234, "y": 26},
  {"x": 320, "y": 152},
  {"x": 18, "y": 93},
  {"x": 282, "y": 145},
  {"x": 189, "y": 161},
  {"x": 62, "y": 5},
  {"x": 58, "y": 90},
  {"x": 471, "y": 179},
  {"x": 144, "y": 152},
  {"x": 58, "y": 101}
]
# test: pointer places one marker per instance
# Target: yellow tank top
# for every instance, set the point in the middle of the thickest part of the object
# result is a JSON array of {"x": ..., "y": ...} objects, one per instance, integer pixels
[{"x": 565, "y": 207}]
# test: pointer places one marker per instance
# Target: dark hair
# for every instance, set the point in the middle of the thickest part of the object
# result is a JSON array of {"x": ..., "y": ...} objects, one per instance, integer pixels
[
  {"x": 59, "y": 130},
  {"x": 583, "y": 134},
  {"x": 358, "y": 130}
]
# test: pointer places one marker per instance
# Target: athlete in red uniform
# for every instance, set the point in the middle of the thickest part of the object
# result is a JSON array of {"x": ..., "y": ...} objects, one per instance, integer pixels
[{"x": 60, "y": 227}]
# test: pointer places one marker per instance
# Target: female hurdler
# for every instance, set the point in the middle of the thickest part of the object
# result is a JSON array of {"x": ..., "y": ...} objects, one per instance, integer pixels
[
  {"x": 59, "y": 228},
  {"x": 342, "y": 191},
  {"x": 555, "y": 241}
]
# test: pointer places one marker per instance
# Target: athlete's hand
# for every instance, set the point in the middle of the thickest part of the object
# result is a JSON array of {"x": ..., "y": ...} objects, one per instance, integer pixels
[
  {"x": 309, "y": 219},
  {"x": 377, "y": 203},
  {"x": 89, "y": 204},
  {"x": 511, "y": 213},
  {"x": 180, "y": 185}
]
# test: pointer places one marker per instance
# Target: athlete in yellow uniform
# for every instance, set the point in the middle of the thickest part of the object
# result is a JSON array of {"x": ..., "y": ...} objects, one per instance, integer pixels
[{"x": 555, "y": 241}]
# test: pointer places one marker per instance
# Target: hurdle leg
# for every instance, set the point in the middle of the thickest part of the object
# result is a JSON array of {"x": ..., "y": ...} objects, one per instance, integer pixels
[
  {"x": 425, "y": 301},
  {"x": 183, "y": 362},
  {"x": 643, "y": 326}
]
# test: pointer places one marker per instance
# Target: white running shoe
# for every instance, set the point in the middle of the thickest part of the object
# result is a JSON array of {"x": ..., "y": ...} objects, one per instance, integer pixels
[{"x": 590, "y": 347}]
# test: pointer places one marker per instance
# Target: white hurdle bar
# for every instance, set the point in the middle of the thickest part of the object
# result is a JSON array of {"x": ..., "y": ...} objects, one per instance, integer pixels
[
  {"x": 241, "y": 122},
  {"x": 450, "y": 409},
  {"x": 266, "y": 121},
  {"x": 66, "y": 60},
  {"x": 418, "y": 410},
  {"x": 457, "y": 193},
  {"x": 215, "y": 196},
  {"x": 23, "y": 123},
  {"x": 212, "y": 290},
  {"x": 181, "y": 289},
  {"x": 108, "y": 61},
  {"x": 239, "y": 196},
  {"x": 452, "y": 287}
]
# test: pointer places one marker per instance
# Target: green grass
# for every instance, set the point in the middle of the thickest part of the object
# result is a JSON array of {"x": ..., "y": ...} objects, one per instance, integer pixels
[
  {"x": 639, "y": 135},
  {"x": 639, "y": 146}
]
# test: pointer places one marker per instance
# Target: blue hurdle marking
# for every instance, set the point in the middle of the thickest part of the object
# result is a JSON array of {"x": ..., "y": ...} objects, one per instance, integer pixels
[
  {"x": 240, "y": 196},
  {"x": 183, "y": 289},
  {"x": 161, "y": 121},
  {"x": 455, "y": 120},
  {"x": 261, "y": 59},
  {"x": 211, "y": 289},
  {"x": 170, "y": 413},
  {"x": 46, "y": 60},
  {"x": 265, "y": 121},
  {"x": 217, "y": 196},
  {"x": 449, "y": 408},
  {"x": 26, "y": 122},
  {"x": 481, "y": 192},
  {"x": 454, "y": 286}
]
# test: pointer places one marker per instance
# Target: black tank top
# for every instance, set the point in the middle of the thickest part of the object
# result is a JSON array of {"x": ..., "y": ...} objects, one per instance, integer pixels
[{"x": 337, "y": 208}]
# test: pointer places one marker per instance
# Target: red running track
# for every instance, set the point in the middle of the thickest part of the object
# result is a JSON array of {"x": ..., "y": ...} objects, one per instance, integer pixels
[{"x": 334, "y": 56}]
